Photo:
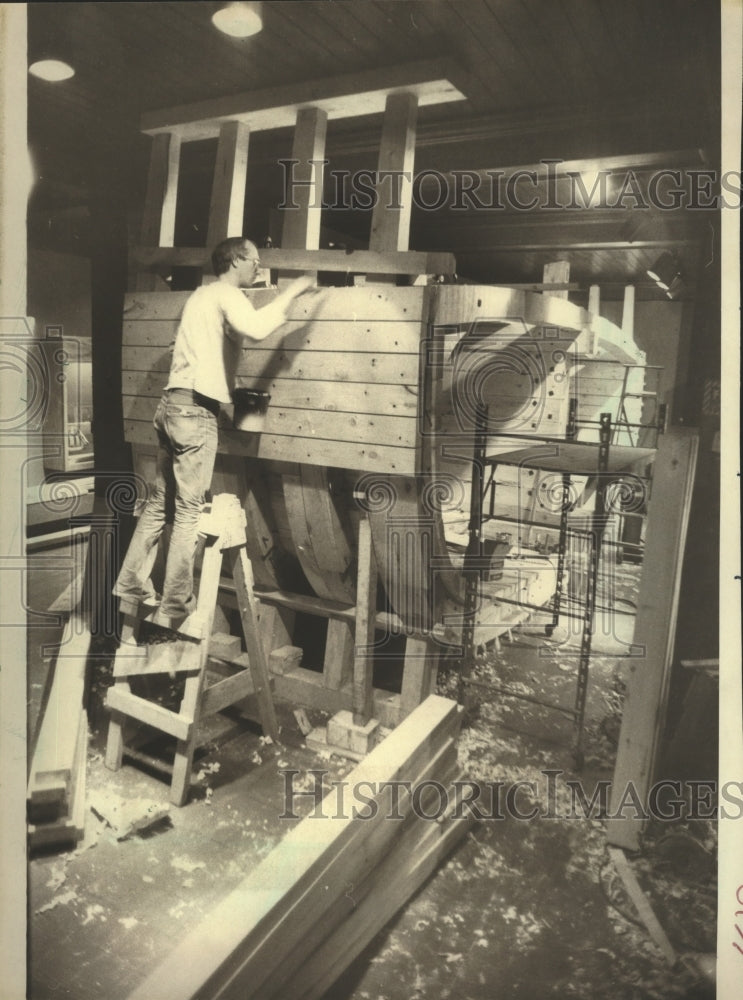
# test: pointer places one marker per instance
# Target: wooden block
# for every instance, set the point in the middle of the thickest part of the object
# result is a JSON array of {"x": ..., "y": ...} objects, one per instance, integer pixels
[
  {"x": 339, "y": 654},
  {"x": 285, "y": 659},
  {"x": 345, "y": 733},
  {"x": 224, "y": 647},
  {"x": 228, "y": 186}
]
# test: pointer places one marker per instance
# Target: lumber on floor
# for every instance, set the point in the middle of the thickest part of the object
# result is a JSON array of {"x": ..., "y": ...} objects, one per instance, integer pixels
[
  {"x": 258, "y": 940},
  {"x": 54, "y": 766}
]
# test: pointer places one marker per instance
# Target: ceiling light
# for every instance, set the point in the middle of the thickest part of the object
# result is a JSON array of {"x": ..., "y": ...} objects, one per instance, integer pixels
[
  {"x": 52, "y": 70},
  {"x": 239, "y": 20}
]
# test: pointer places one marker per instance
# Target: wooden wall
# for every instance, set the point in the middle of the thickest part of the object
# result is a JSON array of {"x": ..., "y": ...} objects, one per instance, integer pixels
[{"x": 344, "y": 391}]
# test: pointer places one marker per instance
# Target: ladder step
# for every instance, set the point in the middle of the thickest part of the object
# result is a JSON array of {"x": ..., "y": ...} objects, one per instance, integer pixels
[{"x": 149, "y": 712}]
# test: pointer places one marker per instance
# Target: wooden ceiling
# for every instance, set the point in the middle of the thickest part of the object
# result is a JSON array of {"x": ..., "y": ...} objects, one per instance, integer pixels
[{"x": 630, "y": 85}]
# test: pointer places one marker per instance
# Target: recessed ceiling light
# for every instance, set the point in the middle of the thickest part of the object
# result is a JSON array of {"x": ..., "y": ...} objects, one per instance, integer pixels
[
  {"x": 52, "y": 70},
  {"x": 240, "y": 20}
]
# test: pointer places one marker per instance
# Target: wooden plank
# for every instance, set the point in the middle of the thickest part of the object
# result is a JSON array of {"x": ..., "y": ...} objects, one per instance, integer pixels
[
  {"x": 56, "y": 752},
  {"x": 349, "y": 304},
  {"x": 256, "y": 927},
  {"x": 159, "y": 260},
  {"x": 366, "y": 610},
  {"x": 400, "y": 431},
  {"x": 342, "y": 96},
  {"x": 301, "y": 216},
  {"x": 394, "y": 882},
  {"x": 642, "y": 905},
  {"x": 226, "y": 692},
  {"x": 648, "y": 675},
  {"x": 68, "y": 827},
  {"x": 390, "y": 225},
  {"x": 331, "y": 915},
  {"x": 340, "y": 454},
  {"x": 148, "y": 712},
  {"x": 319, "y": 394},
  {"x": 227, "y": 203},
  {"x": 339, "y": 335},
  {"x": 357, "y": 367}
]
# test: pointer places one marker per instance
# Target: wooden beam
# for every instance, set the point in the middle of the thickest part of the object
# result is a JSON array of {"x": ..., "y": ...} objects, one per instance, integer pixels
[
  {"x": 643, "y": 714},
  {"x": 228, "y": 187},
  {"x": 341, "y": 96},
  {"x": 54, "y": 762},
  {"x": 162, "y": 260},
  {"x": 263, "y": 932},
  {"x": 301, "y": 217},
  {"x": 390, "y": 226}
]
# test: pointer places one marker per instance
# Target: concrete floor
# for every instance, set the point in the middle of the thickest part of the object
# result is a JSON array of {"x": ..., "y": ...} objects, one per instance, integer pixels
[{"x": 521, "y": 909}]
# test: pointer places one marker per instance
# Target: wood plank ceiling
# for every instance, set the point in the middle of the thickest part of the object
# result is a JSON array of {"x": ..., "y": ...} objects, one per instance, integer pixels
[{"x": 605, "y": 85}]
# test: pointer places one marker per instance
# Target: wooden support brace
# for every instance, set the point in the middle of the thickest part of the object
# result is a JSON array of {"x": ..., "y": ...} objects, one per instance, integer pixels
[
  {"x": 301, "y": 217},
  {"x": 390, "y": 228},
  {"x": 228, "y": 187},
  {"x": 419, "y": 673},
  {"x": 366, "y": 609}
]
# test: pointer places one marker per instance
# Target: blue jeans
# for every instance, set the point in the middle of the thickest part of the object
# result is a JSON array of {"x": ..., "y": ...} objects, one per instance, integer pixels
[{"x": 187, "y": 436}]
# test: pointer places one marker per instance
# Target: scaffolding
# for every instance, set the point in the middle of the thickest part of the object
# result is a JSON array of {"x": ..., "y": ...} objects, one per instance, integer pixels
[{"x": 604, "y": 463}]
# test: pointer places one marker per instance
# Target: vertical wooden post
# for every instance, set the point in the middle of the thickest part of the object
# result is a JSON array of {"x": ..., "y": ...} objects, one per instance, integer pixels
[
  {"x": 390, "y": 228},
  {"x": 655, "y": 630},
  {"x": 557, "y": 272},
  {"x": 628, "y": 313},
  {"x": 158, "y": 220},
  {"x": 301, "y": 219},
  {"x": 366, "y": 612},
  {"x": 594, "y": 311},
  {"x": 227, "y": 204}
]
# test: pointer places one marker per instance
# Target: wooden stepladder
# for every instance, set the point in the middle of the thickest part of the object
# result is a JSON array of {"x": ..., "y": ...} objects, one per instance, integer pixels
[{"x": 224, "y": 529}]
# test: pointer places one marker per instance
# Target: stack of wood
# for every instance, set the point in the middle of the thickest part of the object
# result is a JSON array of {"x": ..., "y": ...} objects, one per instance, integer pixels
[
  {"x": 293, "y": 926},
  {"x": 55, "y": 802}
]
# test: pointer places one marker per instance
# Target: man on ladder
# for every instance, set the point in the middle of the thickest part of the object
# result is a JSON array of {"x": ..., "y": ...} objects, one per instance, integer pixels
[{"x": 217, "y": 322}]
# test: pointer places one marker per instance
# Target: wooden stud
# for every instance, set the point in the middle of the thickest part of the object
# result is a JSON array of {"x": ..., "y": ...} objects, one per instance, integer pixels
[
  {"x": 301, "y": 217},
  {"x": 228, "y": 187},
  {"x": 366, "y": 609},
  {"x": 390, "y": 227}
]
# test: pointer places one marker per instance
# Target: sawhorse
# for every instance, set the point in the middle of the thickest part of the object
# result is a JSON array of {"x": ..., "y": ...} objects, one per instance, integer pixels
[{"x": 224, "y": 528}]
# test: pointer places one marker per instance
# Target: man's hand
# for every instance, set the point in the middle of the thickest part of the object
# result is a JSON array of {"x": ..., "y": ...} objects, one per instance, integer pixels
[{"x": 300, "y": 285}]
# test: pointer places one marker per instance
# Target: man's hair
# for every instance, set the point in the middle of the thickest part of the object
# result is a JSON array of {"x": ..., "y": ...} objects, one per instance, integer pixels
[{"x": 228, "y": 251}]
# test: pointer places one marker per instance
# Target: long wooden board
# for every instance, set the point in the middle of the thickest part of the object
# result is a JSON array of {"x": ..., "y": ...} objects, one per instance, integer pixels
[
  {"x": 644, "y": 708},
  {"x": 259, "y": 928}
]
